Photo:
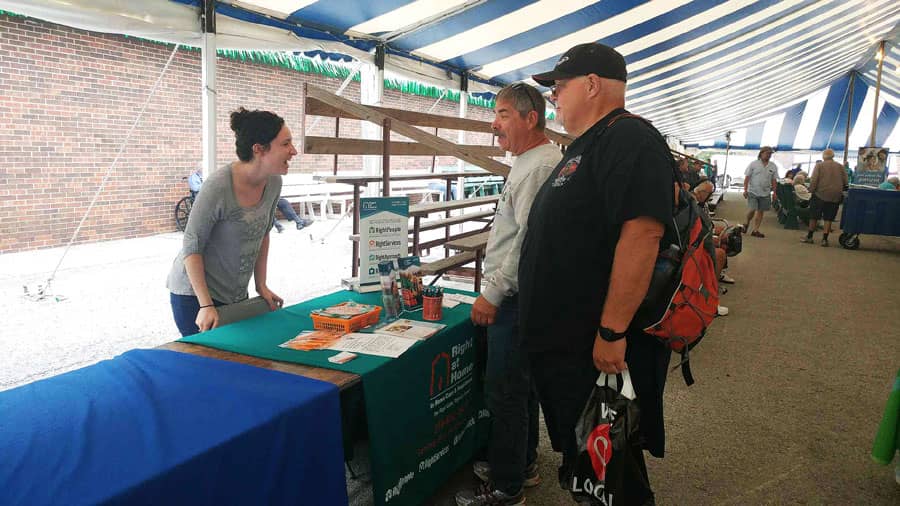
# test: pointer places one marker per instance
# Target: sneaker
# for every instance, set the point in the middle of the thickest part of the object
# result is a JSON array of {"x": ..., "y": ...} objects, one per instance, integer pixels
[
  {"x": 300, "y": 225},
  {"x": 807, "y": 240},
  {"x": 489, "y": 496},
  {"x": 722, "y": 311},
  {"x": 725, "y": 278},
  {"x": 279, "y": 228},
  {"x": 824, "y": 243},
  {"x": 483, "y": 471},
  {"x": 757, "y": 233}
]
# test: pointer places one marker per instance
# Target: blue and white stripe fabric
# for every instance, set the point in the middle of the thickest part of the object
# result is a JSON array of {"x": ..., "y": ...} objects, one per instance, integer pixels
[
  {"x": 772, "y": 69},
  {"x": 697, "y": 68}
]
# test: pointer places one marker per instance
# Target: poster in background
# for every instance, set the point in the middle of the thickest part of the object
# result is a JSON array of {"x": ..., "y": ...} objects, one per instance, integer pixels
[
  {"x": 871, "y": 166},
  {"x": 383, "y": 229}
]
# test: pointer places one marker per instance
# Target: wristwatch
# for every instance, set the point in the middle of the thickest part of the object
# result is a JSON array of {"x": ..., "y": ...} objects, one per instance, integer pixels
[{"x": 610, "y": 336}]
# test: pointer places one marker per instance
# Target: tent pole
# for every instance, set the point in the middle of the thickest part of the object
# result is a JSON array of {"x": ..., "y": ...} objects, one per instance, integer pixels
[
  {"x": 849, "y": 116},
  {"x": 208, "y": 83},
  {"x": 880, "y": 58},
  {"x": 461, "y": 137},
  {"x": 371, "y": 92}
]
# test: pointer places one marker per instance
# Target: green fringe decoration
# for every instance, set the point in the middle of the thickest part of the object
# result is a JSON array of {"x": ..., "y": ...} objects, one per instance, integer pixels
[{"x": 307, "y": 65}]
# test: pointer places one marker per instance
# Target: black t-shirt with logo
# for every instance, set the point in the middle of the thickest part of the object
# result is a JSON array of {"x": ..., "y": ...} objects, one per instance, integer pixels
[{"x": 607, "y": 177}]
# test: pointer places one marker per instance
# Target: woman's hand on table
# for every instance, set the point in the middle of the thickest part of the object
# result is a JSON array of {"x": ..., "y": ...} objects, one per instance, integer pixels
[
  {"x": 275, "y": 302},
  {"x": 207, "y": 318}
]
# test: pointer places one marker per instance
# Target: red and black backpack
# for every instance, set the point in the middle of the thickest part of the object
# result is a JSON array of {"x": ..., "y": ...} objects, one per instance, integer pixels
[{"x": 683, "y": 296}]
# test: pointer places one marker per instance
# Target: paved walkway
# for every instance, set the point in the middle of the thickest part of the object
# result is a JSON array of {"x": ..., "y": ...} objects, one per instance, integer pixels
[
  {"x": 111, "y": 296},
  {"x": 790, "y": 386}
]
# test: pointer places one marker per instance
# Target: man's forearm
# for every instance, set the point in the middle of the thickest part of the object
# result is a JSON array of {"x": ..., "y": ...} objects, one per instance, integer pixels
[{"x": 632, "y": 268}]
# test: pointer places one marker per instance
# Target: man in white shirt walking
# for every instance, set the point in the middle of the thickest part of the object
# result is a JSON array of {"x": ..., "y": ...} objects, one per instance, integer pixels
[{"x": 760, "y": 179}]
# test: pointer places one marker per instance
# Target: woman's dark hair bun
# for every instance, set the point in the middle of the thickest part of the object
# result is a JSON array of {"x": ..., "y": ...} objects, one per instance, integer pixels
[
  {"x": 237, "y": 118},
  {"x": 253, "y": 127}
]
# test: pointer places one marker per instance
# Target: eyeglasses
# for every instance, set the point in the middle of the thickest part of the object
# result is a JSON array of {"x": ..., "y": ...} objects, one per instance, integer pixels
[
  {"x": 524, "y": 87},
  {"x": 561, "y": 84}
]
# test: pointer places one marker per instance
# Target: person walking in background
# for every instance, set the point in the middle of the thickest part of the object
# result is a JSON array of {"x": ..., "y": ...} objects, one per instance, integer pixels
[
  {"x": 760, "y": 179},
  {"x": 510, "y": 393},
  {"x": 829, "y": 180},
  {"x": 287, "y": 210},
  {"x": 226, "y": 239}
]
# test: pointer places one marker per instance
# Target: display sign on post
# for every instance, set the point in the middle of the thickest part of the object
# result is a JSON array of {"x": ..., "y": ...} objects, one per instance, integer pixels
[
  {"x": 383, "y": 234},
  {"x": 871, "y": 166}
]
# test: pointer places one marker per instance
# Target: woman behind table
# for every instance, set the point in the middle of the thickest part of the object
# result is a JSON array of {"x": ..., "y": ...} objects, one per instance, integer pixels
[{"x": 226, "y": 239}]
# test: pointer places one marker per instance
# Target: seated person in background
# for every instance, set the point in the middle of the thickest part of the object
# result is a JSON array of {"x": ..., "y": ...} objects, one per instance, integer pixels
[
  {"x": 288, "y": 211},
  {"x": 685, "y": 170},
  {"x": 800, "y": 189},
  {"x": 892, "y": 183},
  {"x": 702, "y": 192},
  {"x": 791, "y": 174}
]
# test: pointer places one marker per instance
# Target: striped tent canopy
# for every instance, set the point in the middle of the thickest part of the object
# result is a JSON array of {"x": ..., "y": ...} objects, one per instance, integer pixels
[
  {"x": 819, "y": 121},
  {"x": 696, "y": 68}
]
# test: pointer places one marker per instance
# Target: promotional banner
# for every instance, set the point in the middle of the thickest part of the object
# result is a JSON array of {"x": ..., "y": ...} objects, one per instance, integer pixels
[
  {"x": 871, "y": 166},
  {"x": 383, "y": 234},
  {"x": 426, "y": 413}
]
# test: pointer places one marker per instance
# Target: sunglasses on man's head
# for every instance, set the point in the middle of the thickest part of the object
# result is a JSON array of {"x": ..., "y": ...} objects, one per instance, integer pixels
[{"x": 524, "y": 87}]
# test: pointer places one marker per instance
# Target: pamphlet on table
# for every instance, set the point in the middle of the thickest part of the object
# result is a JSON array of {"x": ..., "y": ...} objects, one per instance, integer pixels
[
  {"x": 382, "y": 345},
  {"x": 411, "y": 329},
  {"x": 312, "y": 340}
]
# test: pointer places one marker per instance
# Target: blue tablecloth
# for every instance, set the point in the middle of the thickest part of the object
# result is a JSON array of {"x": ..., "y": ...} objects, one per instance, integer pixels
[{"x": 161, "y": 427}]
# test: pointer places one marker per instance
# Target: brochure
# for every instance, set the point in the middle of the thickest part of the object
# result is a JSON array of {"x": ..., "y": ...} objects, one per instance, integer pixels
[
  {"x": 382, "y": 345},
  {"x": 410, "y": 282},
  {"x": 411, "y": 329},
  {"x": 344, "y": 310},
  {"x": 312, "y": 340}
]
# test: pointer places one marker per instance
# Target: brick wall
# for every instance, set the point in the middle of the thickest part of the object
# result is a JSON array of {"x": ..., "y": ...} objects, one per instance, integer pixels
[{"x": 68, "y": 99}]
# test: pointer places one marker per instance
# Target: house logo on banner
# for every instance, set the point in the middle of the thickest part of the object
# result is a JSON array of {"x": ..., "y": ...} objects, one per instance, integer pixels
[
  {"x": 451, "y": 375},
  {"x": 440, "y": 373}
]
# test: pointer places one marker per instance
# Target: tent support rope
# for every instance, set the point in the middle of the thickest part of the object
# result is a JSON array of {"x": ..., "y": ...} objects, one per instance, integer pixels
[{"x": 45, "y": 290}]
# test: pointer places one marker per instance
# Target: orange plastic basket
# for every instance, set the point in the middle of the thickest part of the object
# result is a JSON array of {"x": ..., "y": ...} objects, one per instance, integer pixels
[{"x": 346, "y": 325}]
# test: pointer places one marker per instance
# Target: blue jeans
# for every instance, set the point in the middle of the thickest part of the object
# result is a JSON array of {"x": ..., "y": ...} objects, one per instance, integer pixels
[
  {"x": 512, "y": 400},
  {"x": 288, "y": 211},
  {"x": 185, "y": 309}
]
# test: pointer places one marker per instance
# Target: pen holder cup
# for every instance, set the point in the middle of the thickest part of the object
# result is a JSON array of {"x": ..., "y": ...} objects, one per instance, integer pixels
[{"x": 431, "y": 308}]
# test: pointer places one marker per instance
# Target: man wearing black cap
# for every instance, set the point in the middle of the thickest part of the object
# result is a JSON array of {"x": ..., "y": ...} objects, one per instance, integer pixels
[{"x": 593, "y": 237}]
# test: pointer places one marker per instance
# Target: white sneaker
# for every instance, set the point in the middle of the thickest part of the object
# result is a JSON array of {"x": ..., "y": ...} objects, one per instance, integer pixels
[
  {"x": 725, "y": 278},
  {"x": 722, "y": 311}
]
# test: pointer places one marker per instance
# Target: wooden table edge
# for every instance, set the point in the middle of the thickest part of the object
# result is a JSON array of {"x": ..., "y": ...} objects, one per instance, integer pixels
[{"x": 341, "y": 379}]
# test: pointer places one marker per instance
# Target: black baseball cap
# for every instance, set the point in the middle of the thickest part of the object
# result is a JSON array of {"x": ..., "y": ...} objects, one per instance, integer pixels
[{"x": 584, "y": 59}]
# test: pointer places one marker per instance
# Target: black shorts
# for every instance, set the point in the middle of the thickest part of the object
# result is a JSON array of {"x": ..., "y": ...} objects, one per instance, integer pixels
[{"x": 819, "y": 209}]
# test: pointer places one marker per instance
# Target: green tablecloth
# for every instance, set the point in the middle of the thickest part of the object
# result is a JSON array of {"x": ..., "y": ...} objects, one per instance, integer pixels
[{"x": 425, "y": 410}]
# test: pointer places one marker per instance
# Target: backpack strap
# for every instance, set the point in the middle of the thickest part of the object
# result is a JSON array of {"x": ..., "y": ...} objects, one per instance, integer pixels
[{"x": 675, "y": 172}]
